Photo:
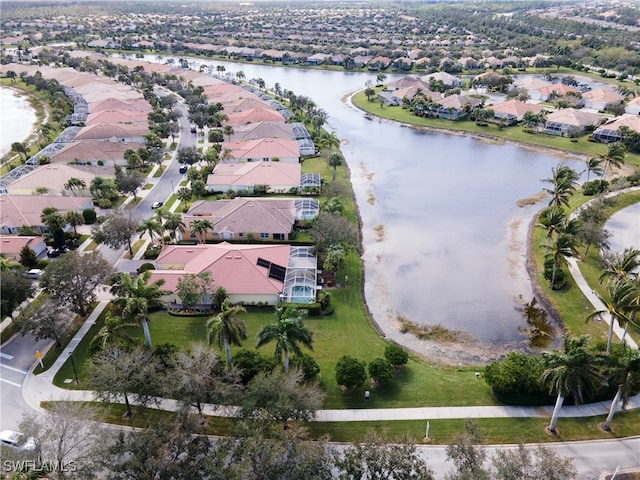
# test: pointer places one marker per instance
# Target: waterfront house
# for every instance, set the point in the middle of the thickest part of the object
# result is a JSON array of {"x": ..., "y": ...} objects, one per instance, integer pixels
[
  {"x": 610, "y": 131},
  {"x": 599, "y": 98},
  {"x": 262, "y": 150},
  {"x": 278, "y": 177},
  {"x": 254, "y": 115},
  {"x": 570, "y": 121},
  {"x": 54, "y": 177},
  {"x": 512, "y": 111},
  {"x": 250, "y": 274}
]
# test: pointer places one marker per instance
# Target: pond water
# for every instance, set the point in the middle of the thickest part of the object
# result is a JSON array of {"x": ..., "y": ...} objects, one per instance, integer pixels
[
  {"x": 624, "y": 227},
  {"x": 16, "y": 121},
  {"x": 444, "y": 241}
]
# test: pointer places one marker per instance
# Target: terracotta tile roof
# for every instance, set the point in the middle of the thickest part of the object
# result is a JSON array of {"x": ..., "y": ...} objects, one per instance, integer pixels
[
  {"x": 600, "y": 94},
  {"x": 233, "y": 267},
  {"x": 92, "y": 150},
  {"x": 138, "y": 104},
  {"x": 247, "y": 103},
  {"x": 263, "y": 148},
  {"x": 103, "y": 131},
  {"x": 256, "y": 173},
  {"x": 243, "y": 215},
  {"x": 516, "y": 108},
  {"x": 10, "y": 245},
  {"x": 558, "y": 89},
  {"x": 55, "y": 175},
  {"x": 630, "y": 121},
  {"x": 18, "y": 210},
  {"x": 573, "y": 117},
  {"x": 253, "y": 131},
  {"x": 255, "y": 115},
  {"x": 118, "y": 116}
]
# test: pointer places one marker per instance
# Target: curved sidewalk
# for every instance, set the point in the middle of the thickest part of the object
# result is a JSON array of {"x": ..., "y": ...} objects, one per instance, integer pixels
[{"x": 38, "y": 388}]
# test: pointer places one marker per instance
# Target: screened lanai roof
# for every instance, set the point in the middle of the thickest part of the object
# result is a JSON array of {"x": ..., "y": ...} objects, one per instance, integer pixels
[
  {"x": 67, "y": 135},
  {"x": 310, "y": 180},
  {"x": 299, "y": 130},
  {"x": 606, "y": 135},
  {"x": 300, "y": 281},
  {"x": 306, "y": 208}
]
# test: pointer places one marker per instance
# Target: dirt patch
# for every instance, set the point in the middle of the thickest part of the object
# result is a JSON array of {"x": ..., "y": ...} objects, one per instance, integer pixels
[
  {"x": 523, "y": 202},
  {"x": 379, "y": 229}
]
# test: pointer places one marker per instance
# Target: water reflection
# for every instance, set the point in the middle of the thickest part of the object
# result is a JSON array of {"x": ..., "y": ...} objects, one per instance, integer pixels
[{"x": 16, "y": 121}]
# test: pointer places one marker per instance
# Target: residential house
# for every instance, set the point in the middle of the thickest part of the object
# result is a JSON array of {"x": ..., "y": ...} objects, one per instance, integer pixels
[
  {"x": 54, "y": 176},
  {"x": 610, "y": 131},
  {"x": 379, "y": 63},
  {"x": 254, "y": 115},
  {"x": 454, "y": 107},
  {"x": 250, "y": 274},
  {"x": 243, "y": 218},
  {"x": 444, "y": 77},
  {"x": 633, "y": 107},
  {"x": 262, "y": 150},
  {"x": 25, "y": 210},
  {"x": 532, "y": 85},
  {"x": 279, "y": 177},
  {"x": 555, "y": 90},
  {"x": 248, "y": 102},
  {"x": 255, "y": 131},
  {"x": 95, "y": 152},
  {"x": 137, "y": 105},
  {"x": 408, "y": 81},
  {"x": 130, "y": 117},
  {"x": 570, "y": 121},
  {"x": 12, "y": 245},
  {"x": 388, "y": 98},
  {"x": 512, "y": 111},
  {"x": 599, "y": 98},
  {"x": 114, "y": 132}
]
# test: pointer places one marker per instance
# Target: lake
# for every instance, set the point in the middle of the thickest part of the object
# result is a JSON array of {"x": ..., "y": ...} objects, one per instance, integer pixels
[{"x": 17, "y": 119}]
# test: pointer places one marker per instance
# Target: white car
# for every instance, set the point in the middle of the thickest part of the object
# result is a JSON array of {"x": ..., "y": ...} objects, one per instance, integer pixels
[
  {"x": 34, "y": 273},
  {"x": 157, "y": 205},
  {"x": 16, "y": 440}
]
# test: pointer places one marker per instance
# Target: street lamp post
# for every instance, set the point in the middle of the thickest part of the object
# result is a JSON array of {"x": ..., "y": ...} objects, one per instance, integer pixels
[{"x": 73, "y": 365}]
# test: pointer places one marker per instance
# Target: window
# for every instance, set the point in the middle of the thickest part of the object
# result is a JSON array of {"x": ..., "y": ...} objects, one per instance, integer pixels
[
  {"x": 241, "y": 234},
  {"x": 264, "y": 235},
  {"x": 278, "y": 236}
]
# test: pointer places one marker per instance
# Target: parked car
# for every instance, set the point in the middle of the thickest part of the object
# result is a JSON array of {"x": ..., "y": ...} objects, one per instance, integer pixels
[
  {"x": 34, "y": 273},
  {"x": 157, "y": 205},
  {"x": 16, "y": 440},
  {"x": 56, "y": 252},
  {"x": 183, "y": 169}
]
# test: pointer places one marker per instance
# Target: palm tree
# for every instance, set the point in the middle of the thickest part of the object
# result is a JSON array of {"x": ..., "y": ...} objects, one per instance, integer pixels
[
  {"x": 151, "y": 227},
  {"x": 616, "y": 303},
  {"x": 594, "y": 165},
  {"x": 135, "y": 297},
  {"x": 551, "y": 219},
  {"x": 184, "y": 194},
  {"x": 76, "y": 185},
  {"x": 618, "y": 266},
  {"x": 571, "y": 372},
  {"x": 74, "y": 218},
  {"x": 614, "y": 156},
  {"x": 564, "y": 246},
  {"x": 227, "y": 328},
  {"x": 173, "y": 223},
  {"x": 564, "y": 181},
  {"x": 287, "y": 332},
  {"x": 335, "y": 160},
  {"x": 200, "y": 227},
  {"x": 625, "y": 372},
  {"x": 228, "y": 131},
  {"x": 112, "y": 330}
]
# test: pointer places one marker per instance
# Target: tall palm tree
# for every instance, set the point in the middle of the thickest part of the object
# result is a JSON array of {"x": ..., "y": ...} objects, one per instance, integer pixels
[
  {"x": 227, "y": 328},
  {"x": 287, "y": 332},
  {"x": 616, "y": 303},
  {"x": 594, "y": 164},
  {"x": 614, "y": 156},
  {"x": 571, "y": 372},
  {"x": 135, "y": 297},
  {"x": 113, "y": 329},
  {"x": 564, "y": 246},
  {"x": 551, "y": 219},
  {"x": 564, "y": 181},
  {"x": 228, "y": 131},
  {"x": 172, "y": 223},
  {"x": 151, "y": 227},
  {"x": 633, "y": 303},
  {"x": 76, "y": 185},
  {"x": 625, "y": 372},
  {"x": 335, "y": 160}
]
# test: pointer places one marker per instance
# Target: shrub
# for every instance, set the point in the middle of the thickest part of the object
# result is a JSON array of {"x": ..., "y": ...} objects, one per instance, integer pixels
[
  {"x": 594, "y": 187},
  {"x": 396, "y": 355},
  {"x": 89, "y": 215},
  {"x": 307, "y": 364},
  {"x": 216, "y": 136},
  {"x": 350, "y": 372},
  {"x": 516, "y": 373},
  {"x": 251, "y": 363},
  {"x": 104, "y": 203},
  {"x": 560, "y": 280},
  {"x": 146, "y": 266},
  {"x": 381, "y": 370}
]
